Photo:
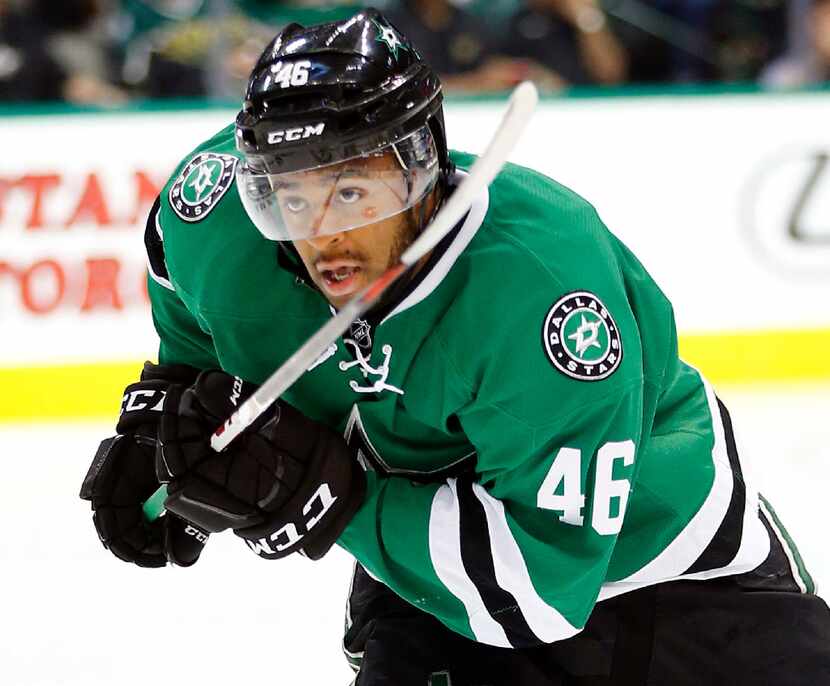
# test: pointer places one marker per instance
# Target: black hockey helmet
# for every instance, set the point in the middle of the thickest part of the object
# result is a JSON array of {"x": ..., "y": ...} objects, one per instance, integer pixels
[{"x": 332, "y": 91}]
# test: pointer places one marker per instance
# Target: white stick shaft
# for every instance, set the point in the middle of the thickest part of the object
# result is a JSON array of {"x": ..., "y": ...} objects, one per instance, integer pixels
[
  {"x": 519, "y": 110},
  {"x": 282, "y": 379},
  {"x": 518, "y": 113}
]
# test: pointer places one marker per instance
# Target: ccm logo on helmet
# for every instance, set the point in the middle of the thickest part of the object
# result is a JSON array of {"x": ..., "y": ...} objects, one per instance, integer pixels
[{"x": 300, "y": 133}]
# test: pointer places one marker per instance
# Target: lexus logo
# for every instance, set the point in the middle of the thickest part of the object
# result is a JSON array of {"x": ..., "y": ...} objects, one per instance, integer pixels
[{"x": 786, "y": 211}]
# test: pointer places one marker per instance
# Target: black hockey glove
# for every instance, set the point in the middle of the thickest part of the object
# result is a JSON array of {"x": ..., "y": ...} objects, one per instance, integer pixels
[
  {"x": 122, "y": 476},
  {"x": 287, "y": 483}
]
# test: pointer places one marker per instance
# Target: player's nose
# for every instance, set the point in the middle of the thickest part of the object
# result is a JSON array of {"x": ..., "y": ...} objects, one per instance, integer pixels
[{"x": 322, "y": 241}]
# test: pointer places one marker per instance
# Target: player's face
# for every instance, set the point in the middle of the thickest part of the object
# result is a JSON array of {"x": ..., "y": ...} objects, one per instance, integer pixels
[
  {"x": 340, "y": 264},
  {"x": 343, "y": 262},
  {"x": 342, "y": 196}
]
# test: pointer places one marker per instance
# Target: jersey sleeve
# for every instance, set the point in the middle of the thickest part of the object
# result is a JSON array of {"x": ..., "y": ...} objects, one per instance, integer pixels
[
  {"x": 181, "y": 339},
  {"x": 514, "y": 557},
  {"x": 515, "y": 554}
]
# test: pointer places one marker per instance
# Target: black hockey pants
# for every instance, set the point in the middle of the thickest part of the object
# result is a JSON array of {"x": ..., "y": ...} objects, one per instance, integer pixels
[{"x": 754, "y": 629}]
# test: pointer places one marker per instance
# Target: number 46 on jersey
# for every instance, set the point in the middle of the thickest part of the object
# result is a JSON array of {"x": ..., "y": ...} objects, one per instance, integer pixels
[{"x": 561, "y": 490}]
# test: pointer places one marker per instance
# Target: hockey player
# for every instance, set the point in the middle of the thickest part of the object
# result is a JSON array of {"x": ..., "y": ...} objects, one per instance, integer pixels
[{"x": 536, "y": 489}]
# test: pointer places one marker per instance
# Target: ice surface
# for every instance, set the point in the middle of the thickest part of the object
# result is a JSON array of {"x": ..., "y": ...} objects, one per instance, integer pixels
[{"x": 74, "y": 615}]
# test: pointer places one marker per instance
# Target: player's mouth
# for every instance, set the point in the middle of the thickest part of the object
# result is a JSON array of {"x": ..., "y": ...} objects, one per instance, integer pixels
[{"x": 339, "y": 277}]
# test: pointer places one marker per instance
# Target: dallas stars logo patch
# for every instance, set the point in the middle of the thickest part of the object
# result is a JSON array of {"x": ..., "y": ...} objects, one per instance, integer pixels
[
  {"x": 201, "y": 184},
  {"x": 388, "y": 35},
  {"x": 581, "y": 337}
]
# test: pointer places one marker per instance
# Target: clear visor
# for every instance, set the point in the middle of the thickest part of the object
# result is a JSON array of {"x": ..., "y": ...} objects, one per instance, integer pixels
[{"x": 341, "y": 196}]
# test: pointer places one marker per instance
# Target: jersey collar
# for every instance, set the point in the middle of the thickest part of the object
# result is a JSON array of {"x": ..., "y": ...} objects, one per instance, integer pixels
[{"x": 445, "y": 254}]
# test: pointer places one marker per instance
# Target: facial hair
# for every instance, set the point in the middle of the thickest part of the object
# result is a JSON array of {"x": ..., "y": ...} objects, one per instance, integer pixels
[{"x": 407, "y": 235}]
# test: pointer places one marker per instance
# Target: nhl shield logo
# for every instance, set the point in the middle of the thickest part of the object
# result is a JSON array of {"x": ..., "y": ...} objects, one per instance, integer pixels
[
  {"x": 581, "y": 338},
  {"x": 201, "y": 184}
]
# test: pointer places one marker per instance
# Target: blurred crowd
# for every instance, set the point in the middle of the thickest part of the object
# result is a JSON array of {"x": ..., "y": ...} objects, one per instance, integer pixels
[{"x": 106, "y": 52}]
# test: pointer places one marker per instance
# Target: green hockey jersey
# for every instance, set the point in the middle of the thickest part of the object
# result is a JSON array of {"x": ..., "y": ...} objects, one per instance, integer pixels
[{"x": 533, "y": 443}]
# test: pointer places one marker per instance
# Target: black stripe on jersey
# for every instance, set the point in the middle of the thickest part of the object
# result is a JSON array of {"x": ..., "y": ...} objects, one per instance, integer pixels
[
  {"x": 477, "y": 556},
  {"x": 723, "y": 548},
  {"x": 155, "y": 247}
]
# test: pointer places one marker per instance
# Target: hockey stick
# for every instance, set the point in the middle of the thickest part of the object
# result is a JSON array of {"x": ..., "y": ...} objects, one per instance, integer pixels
[{"x": 519, "y": 110}]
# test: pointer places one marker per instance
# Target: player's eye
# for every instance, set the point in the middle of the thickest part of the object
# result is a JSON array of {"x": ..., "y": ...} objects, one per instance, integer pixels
[
  {"x": 350, "y": 195},
  {"x": 295, "y": 204}
]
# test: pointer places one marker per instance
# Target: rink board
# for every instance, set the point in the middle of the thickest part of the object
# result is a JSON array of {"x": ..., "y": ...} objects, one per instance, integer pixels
[
  {"x": 725, "y": 199},
  {"x": 93, "y": 390}
]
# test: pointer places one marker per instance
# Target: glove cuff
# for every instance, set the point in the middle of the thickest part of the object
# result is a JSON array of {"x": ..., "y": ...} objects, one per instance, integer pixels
[
  {"x": 171, "y": 373},
  {"x": 141, "y": 405},
  {"x": 322, "y": 514},
  {"x": 218, "y": 394},
  {"x": 143, "y": 401},
  {"x": 183, "y": 541},
  {"x": 320, "y": 542}
]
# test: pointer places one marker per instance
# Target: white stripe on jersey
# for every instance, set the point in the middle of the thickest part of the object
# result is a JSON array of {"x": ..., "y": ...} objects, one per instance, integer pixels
[
  {"x": 690, "y": 543},
  {"x": 472, "y": 223},
  {"x": 445, "y": 552},
  {"x": 682, "y": 552},
  {"x": 755, "y": 543},
  {"x": 512, "y": 575}
]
